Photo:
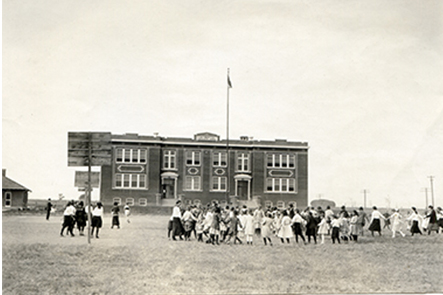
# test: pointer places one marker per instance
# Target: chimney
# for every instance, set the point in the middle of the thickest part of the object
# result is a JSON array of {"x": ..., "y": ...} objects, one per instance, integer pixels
[
  {"x": 4, "y": 172},
  {"x": 244, "y": 138}
]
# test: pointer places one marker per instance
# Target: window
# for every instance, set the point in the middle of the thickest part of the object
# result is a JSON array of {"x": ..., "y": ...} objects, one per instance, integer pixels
[
  {"x": 242, "y": 162},
  {"x": 219, "y": 183},
  {"x": 169, "y": 160},
  {"x": 130, "y": 201},
  {"x": 130, "y": 181},
  {"x": 219, "y": 159},
  {"x": 280, "y": 204},
  {"x": 280, "y": 161},
  {"x": 268, "y": 204},
  {"x": 280, "y": 185},
  {"x": 197, "y": 202},
  {"x": 143, "y": 202},
  {"x": 117, "y": 200},
  {"x": 8, "y": 199},
  {"x": 192, "y": 183},
  {"x": 188, "y": 202},
  {"x": 193, "y": 158},
  {"x": 128, "y": 155}
]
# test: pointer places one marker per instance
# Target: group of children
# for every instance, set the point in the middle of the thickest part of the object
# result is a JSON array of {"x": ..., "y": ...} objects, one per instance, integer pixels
[
  {"x": 76, "y": 213},
  {"x": 232, "y": 224}
]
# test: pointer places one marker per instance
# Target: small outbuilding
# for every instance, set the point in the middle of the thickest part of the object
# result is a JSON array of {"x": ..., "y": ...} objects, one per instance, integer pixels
[{"x": 14, "y": 195}]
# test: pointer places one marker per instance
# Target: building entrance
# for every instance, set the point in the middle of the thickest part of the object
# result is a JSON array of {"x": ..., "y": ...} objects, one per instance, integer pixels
[{"x": 242, "y": 189}]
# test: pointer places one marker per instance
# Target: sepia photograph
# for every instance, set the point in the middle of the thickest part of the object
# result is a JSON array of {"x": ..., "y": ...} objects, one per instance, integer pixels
[{"x": 222, "y": 147}]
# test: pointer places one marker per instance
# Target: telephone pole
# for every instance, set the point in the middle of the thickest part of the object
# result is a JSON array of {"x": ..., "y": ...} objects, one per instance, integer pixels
[
  {"x": 425, "y": 189},
  {"x": 365, "y": 192},
  {"x": 431, "y": 178}
]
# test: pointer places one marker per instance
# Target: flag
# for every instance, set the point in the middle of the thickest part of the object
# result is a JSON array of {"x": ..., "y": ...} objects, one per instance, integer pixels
[{"x": 229, "y": 82}]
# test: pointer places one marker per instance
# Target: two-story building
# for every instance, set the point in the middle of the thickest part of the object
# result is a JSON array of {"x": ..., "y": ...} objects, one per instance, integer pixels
[{"x": 156, "y": 171}]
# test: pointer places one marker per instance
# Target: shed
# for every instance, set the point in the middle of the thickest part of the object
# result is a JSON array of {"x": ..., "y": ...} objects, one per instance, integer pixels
[{"x": 14, "y": 195}]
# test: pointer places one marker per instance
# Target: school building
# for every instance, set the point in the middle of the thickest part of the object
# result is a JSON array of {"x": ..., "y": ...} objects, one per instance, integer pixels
[{"x": 157, "y": 171}]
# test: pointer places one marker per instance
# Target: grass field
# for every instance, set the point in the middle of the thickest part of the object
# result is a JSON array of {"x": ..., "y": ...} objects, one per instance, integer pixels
[{"x": 139, "y": 259}]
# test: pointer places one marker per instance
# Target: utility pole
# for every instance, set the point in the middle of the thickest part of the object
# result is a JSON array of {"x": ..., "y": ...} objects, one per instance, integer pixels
[
  {"x": 365, "y": 191},
  {"x": 228, "y": 167},
  {"x": 431, "y": 178},
  {"x": 425, "y": 189}
]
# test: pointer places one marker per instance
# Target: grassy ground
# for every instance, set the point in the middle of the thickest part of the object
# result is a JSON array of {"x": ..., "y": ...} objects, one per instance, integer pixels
[{"x": 139, "y": 259}]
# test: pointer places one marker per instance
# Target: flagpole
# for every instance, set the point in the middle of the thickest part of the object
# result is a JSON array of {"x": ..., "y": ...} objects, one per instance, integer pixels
[{"x": 227, "y": 141}]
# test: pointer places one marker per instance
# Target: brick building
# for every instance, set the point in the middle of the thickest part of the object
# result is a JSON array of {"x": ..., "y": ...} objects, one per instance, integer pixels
[{"x": 156, "y": 171}]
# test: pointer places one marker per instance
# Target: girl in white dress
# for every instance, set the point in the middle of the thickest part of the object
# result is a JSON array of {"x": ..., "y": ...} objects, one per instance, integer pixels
[
  {"x": 396, "y": 223},
  {"x": 267, "y": 228},
  {"x": 249, "y": 227},
  {"x": 323, "y": 228},
  {"x": 285, "y": 231}
]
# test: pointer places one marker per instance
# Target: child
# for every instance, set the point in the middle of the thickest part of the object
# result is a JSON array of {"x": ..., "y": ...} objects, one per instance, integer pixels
[
  {"x": 224, "y": 217},
  {"x": 354, "y": 225},
  {"x": 214, "y": 232},
  {"x": 335, "y": 223},
  {"x": 97, "y": 220},
  {"x": 234, "y": 225},
  {"x": 80, "y": 216},
  {"x": 297, "y": 223},
  {"x": 285, "y": 231},
  {"x": 416, "y": 220},
  {"x": 68, "y": 219},
  {"x": 311, "y": 227},
  {"x": 169, "y": 228},
  {"x": 396, "y": 223},
  {"x": 323, "y": 228},
  {"x": 267, "y": 228},
  {"x": 199, "y": 227},
  {"x": 115, "y": 220},
  {"x": 127, "y": 212},
  {"x": 249, "y": 227},
  {"x": 344, "y": 227}
]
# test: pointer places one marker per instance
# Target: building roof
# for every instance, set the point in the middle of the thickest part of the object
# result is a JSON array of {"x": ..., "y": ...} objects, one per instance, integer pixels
[
  {"x": 209, "y": 139},
  {"x": 10, "y": 184}
]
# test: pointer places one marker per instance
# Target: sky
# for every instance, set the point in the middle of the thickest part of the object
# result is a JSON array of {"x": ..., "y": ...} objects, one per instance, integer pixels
[{"x": 360, "y": 81}]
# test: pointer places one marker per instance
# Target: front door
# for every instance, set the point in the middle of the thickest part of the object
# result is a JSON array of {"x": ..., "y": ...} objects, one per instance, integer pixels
[
  {"x": 242, "y": 189},
  {"x": 168, "y": 188}
]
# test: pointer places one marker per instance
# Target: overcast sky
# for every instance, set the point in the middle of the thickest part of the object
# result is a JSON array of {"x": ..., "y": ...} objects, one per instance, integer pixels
[{"x": 360, "y": 81}]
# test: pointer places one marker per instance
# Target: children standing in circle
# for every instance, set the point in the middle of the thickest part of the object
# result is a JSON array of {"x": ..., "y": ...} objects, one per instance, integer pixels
[
  {"x": 97, "y": 219},
  {"x": 115, "y": 220}
]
